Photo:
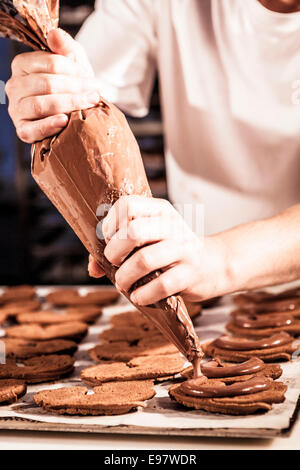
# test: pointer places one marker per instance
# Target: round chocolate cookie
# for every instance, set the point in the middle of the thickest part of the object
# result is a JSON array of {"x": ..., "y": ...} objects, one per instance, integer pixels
[
  {"x": 138, "y": 368},
  {"x": 17, "y": 294},
  {"x": 256, "y": 297},
  {"x": 3, "y": 318},
  {"x": 277, "y": 306},
  {"x": 132, "y": 319},
  {"x": 25, "y": 349},
  {"x": 259, "y": 309},
  {"x": 71, "y": 297},
  {"x": 50, "y": 317},
  {"x": 261, "y": 326},
  {"x": 232, "y": 372},
  {"x": 232, "y": 405},
  {"x": 11, "y": 390},
  {"x": 74, "y": 331},
  {"x": 113, "y": 398},
  {"x": 38, "y": 369},
  {"x": 238, "y": 349},
  {"x": 11, "y": 309},
  {"x": 125, "y": 351},
  {"x": 127, "y": 333}
]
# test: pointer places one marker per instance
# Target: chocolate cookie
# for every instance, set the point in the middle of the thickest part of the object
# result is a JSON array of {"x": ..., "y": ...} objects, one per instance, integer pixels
[
  {"x": 11, "y": 390},
  {"x": 11, "y": 309},
  {"x": 261, "y": 326},
  {"x": 74, "y": 331},
  {"x": 256, "y": 297},
  {"x": 132, "y": 319},
  {"x": 127, "y": 333},
  {"x": 124, "y": 351},
  {"x": 277, "y": 347},
  {"x": 24, "y": 349},
  {"x": 17, "y": 293},
  {"x": 280, "y": 307},
  {"x": 50, "y": 317},
  {"x": 291, "y": 305},
  {"x": 71, "y": 297},
  {"x": 38, "y": 369},
  {"x": 113, "y": 398},
  {"x": 3, "y": 318},
  {"x": 239, "y": 404},
  {"x": 136, "y": 369},
  {"x": 230, "y": 373}
]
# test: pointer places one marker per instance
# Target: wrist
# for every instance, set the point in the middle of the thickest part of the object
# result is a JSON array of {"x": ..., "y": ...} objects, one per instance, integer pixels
[
  {"x": 227, "y": 271},
  {"x": 216, "y": 274}
]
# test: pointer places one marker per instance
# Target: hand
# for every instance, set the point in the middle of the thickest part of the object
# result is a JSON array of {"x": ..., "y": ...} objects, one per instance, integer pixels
[
  {"x": 191, "y": 266},
  {"x": 45, "y": 87}
]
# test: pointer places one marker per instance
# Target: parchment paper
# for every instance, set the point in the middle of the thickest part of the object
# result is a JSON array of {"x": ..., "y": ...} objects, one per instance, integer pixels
[{"x": 161, "y": 412}]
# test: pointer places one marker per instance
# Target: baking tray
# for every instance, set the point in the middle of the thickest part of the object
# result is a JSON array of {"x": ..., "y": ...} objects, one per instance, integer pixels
[{"x": 162, "y": 416}]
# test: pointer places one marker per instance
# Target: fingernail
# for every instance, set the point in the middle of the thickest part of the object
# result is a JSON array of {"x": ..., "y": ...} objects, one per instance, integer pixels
[
  {"x": 93, "y": 97},
  {"x": 134, "y": 299}
]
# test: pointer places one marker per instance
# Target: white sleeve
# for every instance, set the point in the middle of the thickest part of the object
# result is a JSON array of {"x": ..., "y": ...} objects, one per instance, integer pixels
[{"x": 120, "y": 41}]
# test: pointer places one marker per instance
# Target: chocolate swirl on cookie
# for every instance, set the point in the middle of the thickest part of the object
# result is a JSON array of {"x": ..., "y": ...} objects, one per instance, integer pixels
[
  {"x": 263, "y": 321},
  {"x": 209, "y": 389},
  {"x": 215, "y": 369},
  {"x": 229, "y": 342}
]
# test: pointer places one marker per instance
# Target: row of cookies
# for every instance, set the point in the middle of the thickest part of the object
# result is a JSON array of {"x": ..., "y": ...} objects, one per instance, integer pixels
[
  {"x": 22, "y": 305},
  {"x": 108, "y": 398},
  {"x": 40, "y": 349},
  {"x": 148, "y": 356},
  {"x": 264, "y": 325},
  {"x": 40, "y": 328},
  {"x": 132, "y": 350},
  {"x": 250, "y": 348},
  {"x": 131, "y": 357}
]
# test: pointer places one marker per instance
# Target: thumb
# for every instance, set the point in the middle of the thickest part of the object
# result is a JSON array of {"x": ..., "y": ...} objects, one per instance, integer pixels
[{"x": 62, "y": 43}]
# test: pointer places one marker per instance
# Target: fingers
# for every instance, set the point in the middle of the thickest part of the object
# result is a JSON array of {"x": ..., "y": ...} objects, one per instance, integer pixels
[
  {"x": 94, "y": 268},
  {"x": 45, "y": 62},
  {"x": 31, "y": 132},
  {"x": 137, "y": 233},
  {"x": 145, "y": 261},
  {"x": 168, "y": 283},
  {"x": 37, "y": 84},
  {"x": 62, "y": 43},
  {"x": 128, "y": 208},
  {"x": 39, "y": 107}
]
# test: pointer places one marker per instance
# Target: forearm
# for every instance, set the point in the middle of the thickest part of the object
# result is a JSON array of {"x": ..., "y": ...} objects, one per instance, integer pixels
[{"x": 263, "y": 253}]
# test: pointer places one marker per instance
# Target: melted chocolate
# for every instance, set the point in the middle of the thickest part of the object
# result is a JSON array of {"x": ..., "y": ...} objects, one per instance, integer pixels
[
  {"x": 241, "y": 344},
  {"x": 216, "y": 370},
  {"x": 263, "y": 321},
  {"x": 264, "y": 296},
  {"x": 203, "y": 389},
  {"x": 280, "y": 306}
]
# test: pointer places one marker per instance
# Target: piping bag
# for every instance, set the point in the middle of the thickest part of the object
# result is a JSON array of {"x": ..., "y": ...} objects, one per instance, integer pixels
[{"x": 93, "y": 162}]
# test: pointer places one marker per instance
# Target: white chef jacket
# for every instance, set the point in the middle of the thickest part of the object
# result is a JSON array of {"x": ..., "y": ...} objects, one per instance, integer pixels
[{"x": 230, "y": 88}]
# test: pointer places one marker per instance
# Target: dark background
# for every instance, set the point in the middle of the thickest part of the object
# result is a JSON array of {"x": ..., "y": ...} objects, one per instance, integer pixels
[{"x": 36, "y": 244}]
